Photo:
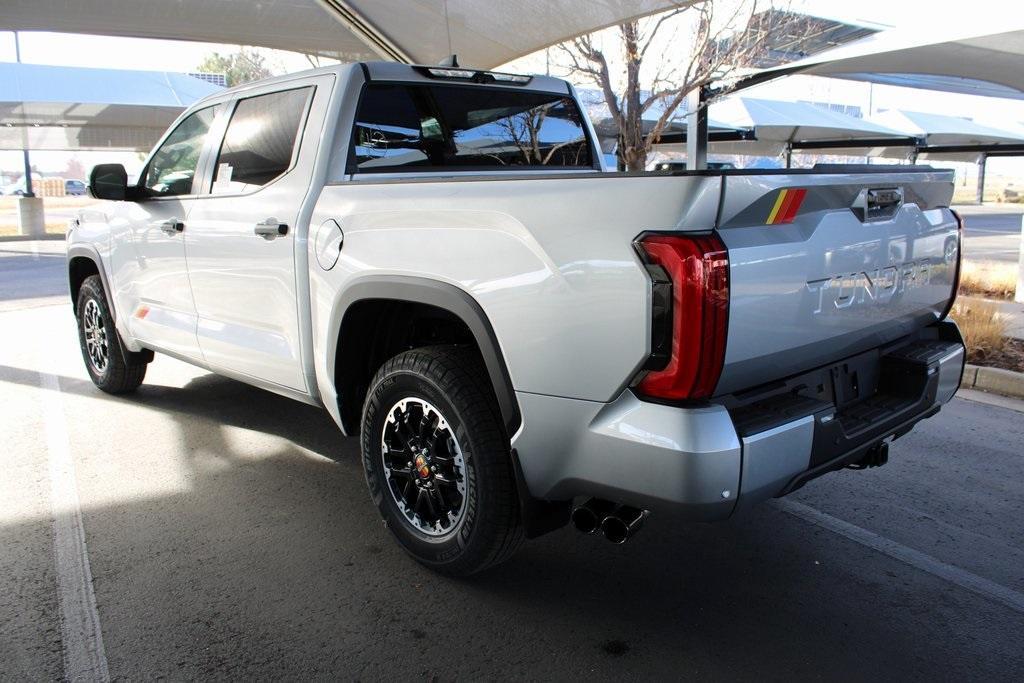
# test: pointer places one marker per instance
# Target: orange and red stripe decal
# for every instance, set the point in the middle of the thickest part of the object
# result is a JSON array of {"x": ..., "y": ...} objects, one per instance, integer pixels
[{"x": 786, "y": 206}]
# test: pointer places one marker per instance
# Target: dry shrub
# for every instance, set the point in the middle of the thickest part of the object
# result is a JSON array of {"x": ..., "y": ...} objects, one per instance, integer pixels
[
  {"x": 988, "y": 278},
  {"x": 983, "y": 328}
]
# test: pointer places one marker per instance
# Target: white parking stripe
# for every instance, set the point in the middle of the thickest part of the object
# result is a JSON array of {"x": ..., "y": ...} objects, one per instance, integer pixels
[
  {"x": 82, "y": 640},
  {"x": 897, "y": 551}
]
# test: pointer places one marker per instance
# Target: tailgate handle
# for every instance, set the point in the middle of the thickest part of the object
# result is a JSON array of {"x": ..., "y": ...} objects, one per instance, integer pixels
[{"x": 878, "y": 204}]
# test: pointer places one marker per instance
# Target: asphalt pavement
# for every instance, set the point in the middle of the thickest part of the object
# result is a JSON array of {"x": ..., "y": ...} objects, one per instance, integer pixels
[
  {"x": 201, "y": 528},
  {"x": 992, "y": 232}
]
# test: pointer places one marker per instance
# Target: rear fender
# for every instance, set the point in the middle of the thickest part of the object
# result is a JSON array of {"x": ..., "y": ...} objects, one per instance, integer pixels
[{"x": 440, "y": 295}]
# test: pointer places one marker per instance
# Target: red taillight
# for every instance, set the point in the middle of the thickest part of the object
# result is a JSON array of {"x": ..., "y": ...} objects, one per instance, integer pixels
[{"x": 698, "y": 266}]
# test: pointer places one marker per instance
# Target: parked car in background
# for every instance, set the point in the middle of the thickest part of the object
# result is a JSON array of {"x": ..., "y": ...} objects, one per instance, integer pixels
[
  {"x": 435, "y": 256},
  {"x": 74, "y": 188}
]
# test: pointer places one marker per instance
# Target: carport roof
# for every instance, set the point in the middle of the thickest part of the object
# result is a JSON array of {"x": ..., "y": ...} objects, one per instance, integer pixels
[
  {"x": 60, "y": 107},
  {"x": 940, "y": 129},
  {"x": 776, "y": 124},
  {"x": 940, "y": 132},
  {"x": 775, "y": 120},
  {"x": 482, "y": 33},
  {"x": 971, "y": 53}
]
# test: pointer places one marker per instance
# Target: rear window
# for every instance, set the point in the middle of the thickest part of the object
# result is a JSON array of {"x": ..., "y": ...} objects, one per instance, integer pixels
[
  {"x": 260, "y": 140},
  {"x": 405, "y": 127}
]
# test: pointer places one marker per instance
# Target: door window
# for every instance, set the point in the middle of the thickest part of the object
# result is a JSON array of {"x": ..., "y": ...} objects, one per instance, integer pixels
[
  {"x": 260, "y": 141},
  {"x": 172, "y": 168}
]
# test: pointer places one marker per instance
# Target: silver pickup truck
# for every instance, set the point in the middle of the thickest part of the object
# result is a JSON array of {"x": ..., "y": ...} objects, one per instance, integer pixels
[{"x": 438, "y": 258}]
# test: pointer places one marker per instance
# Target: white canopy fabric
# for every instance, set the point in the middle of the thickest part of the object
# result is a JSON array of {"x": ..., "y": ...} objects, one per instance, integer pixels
[
  {"x": 483, "y": 33},
  {"x": 938, "y": 129},
  {"x": 968, "y": 55},
  {"x": 776, "y": 124},
  {"x": 70, "y": 108},
  {"x": 596, "y": 106}
]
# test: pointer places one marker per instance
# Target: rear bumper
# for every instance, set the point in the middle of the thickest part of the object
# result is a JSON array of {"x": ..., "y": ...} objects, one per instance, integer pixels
[{"x": 711, "y": 461}]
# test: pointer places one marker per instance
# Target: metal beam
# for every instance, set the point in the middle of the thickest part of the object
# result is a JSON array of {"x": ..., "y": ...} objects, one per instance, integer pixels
[
  {"x": 857, "y": 143},
  {"x": 1009, "y": 149},
  {"x": 374, "y": 38},
  {"x": 679, "y": 137},
  {"x": 697, "y": 128}
]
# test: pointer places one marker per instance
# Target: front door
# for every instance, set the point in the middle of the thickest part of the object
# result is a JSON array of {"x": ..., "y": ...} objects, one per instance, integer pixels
[
  {"x": 150, "y": 270},
  {"x": 241, "y": 237}
]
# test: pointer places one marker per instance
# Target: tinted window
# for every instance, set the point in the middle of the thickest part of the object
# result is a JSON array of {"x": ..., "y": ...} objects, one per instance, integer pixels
[
  {"x": 445, "y": 127},
  {"x": 173, "y": 166},
  {"x": 259, "y": 142}
]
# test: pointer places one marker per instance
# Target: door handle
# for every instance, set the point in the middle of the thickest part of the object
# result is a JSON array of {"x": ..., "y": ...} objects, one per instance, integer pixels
[
  {"x": 271, "y": 228},
  {"x": 172, "y": 227}
]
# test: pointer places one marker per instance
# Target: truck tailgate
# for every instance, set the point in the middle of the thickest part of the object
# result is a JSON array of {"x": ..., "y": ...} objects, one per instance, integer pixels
[{"x": 827, "y": 265}]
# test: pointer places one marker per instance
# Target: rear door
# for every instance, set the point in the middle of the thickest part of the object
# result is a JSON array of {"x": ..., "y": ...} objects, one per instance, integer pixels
[
  {"x": 827, "y": 265},
  {"x": 242, "y": 233}
]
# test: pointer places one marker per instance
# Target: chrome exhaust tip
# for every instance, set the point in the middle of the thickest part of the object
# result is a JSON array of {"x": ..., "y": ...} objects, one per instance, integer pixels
[
  {"x": 623, "y": 523},
  {"x": 587, "y": 518}
]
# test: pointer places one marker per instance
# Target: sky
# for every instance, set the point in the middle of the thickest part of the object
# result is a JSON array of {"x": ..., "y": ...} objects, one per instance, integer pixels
[{"x": 163, "y": 55}]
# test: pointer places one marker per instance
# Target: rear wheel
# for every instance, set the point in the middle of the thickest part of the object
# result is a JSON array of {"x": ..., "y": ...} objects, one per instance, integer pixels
[
  {"x": 437, "y": 462},
  {"x": 111, "y": 367}
]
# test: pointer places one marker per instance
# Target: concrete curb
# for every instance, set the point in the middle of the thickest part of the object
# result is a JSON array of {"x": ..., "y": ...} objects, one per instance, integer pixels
[{"x": 993, "y": 380}]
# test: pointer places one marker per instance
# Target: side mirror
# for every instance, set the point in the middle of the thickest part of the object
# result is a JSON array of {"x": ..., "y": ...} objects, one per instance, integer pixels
[{"x": 108, "y": 181}]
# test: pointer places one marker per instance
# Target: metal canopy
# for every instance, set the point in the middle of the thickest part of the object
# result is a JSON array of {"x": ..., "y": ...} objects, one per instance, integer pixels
[
  {"x": 482, "y": 33},
  {"x": 60, "y": 108}
]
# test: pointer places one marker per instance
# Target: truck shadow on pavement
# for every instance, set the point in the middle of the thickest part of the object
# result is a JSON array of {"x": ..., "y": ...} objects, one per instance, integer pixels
[{"x": 279, "y": 565}]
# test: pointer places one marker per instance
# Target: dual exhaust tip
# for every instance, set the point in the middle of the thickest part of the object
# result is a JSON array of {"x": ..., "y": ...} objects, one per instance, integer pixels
[{"x": 618, "y": 523}]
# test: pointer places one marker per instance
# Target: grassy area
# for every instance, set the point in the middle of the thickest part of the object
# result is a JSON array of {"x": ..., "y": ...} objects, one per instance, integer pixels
[
  {"x": 56, "y": 225},
  {"x": 989, "y": 279},
  {"x": 10, "y": 204},
  {"x": 997, "y": 189},
  {"x": 984, "y": 331},
  {"x": 52, "y": 228},
  {"x": 983, "y": 328}
]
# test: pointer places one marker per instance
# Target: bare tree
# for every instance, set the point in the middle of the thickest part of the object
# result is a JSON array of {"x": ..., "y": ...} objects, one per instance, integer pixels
[
  {"x": 523, "y": 130},
  {"x": 717, "y": 48}
]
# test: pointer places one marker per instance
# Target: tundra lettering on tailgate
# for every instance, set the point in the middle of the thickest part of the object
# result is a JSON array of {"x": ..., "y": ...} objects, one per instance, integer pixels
[{"x": 879, "y": 286}]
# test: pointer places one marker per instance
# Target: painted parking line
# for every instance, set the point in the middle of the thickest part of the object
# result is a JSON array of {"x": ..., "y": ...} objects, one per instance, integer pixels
[
  {"x": 915, "y": 558},
  {"x": 84, "y": 656}
]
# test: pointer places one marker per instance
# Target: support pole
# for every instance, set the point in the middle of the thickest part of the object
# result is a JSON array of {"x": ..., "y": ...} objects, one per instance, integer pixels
[
  {"x": 1019, "y": 298},
  {"x": 697, "y": 129},
  {"x": 31, "y": 219},
  {"x": 28, "y": 175},
  {"x": 789, "y": 156},
  {"x": 982, "y": 163},
  {"x": 24, "y": 151}
]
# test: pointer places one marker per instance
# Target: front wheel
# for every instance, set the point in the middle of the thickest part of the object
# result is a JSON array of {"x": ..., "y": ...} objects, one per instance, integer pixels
[
  {"x": 437, "y": 462},
  {"x": 112, "y": 368}
]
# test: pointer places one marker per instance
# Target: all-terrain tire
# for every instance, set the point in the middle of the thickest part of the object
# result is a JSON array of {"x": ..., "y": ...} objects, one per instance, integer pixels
[
  {"x": 112, "y": 368},
  {"x": 452, "y": 381}
]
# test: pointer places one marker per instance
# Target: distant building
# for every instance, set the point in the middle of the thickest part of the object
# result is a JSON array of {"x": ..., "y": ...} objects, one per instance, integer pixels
[{"x": 216, "y": 79}]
